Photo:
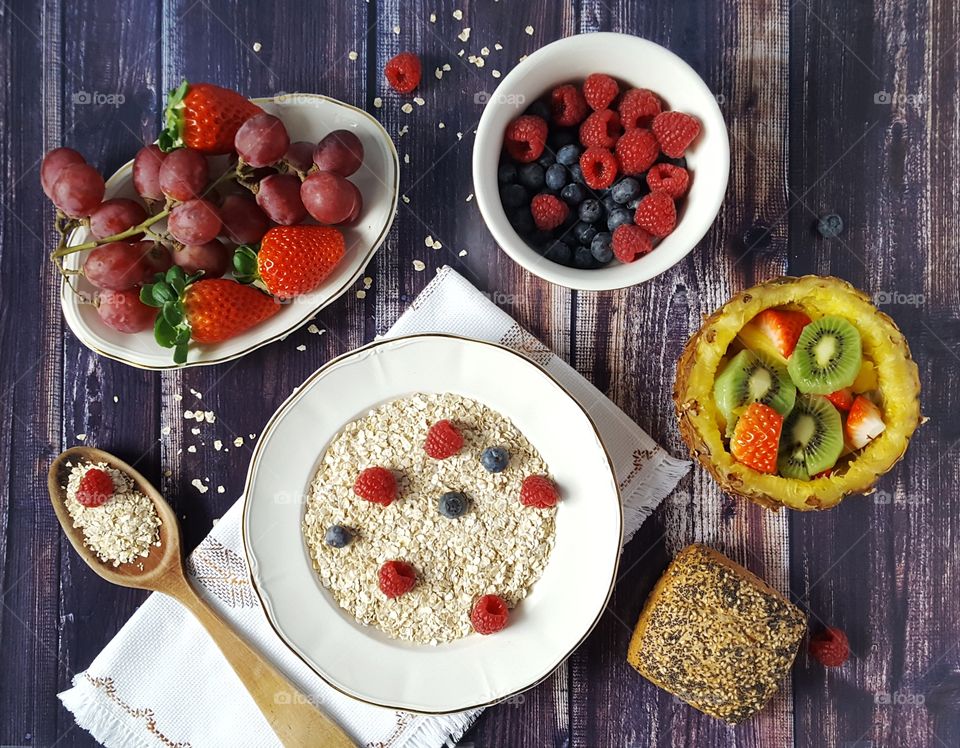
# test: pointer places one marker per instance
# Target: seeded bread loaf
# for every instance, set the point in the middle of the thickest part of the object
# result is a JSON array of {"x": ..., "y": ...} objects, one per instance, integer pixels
[{"x": 715, "y": 635}]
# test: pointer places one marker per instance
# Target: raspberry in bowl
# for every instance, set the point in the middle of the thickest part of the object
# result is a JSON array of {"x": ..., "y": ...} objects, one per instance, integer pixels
[{"x": 600, "y": 161}]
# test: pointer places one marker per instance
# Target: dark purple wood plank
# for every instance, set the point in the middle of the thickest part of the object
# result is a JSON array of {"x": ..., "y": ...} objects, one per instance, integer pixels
[{"x": 873, "y": 148}]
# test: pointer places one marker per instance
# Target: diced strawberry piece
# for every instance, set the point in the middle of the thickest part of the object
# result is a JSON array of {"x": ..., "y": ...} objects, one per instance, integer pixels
[
  {"x": 841, "y": 399},
  {"x": 783, "y": 327},
  {"x": 756, "y": 438},
  {"x": 864, "y": 422}
]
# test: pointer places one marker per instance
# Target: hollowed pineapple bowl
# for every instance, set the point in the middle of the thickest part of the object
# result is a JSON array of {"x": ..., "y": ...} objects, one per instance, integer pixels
[{"x": 797, "y": 392}]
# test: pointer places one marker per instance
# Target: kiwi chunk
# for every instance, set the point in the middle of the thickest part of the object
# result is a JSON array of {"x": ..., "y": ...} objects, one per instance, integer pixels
[
  {"x": 752, "y": 378},
  {"x": 811, "y": 439},
  {"x": 827, "y": 357}
]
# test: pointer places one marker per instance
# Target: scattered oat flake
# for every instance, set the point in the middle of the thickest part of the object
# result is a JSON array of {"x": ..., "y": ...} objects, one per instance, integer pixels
[
  {"x": 418, "y": 101},
  {"x": 405, "y": 198},
  {"x": 252, "y": 436},
  {"x": 464, "y": 35},
  {"x": 446, "y": 67},
  {"x": 177, "y": 397},
  {"x": 495, "y": 73},
  {"x": 198, "y": 484},
  {"x": 469, "y": 197},
  {"x": 433, "y": 18},
  {"x": 192, "y": 449},
  {"x": 440, "y": 125},
  {"x": 377, "y": 102},
  {"x": 165, "y": 430},
  {"x": 459, "y": 136},
  {"x": 405, "y": 129},
  {"x": 367, "y": 281},
  {"x": 428, "y": 241},
  {"x": 361, "y": 294},
  {"x": 217, "y": 444},
  {"x": 352, "y": 55},
  {"x": 498, "y": 46},
  {"x": 220, "y": 489},
  {"x": 462, "y": 253},
  {"x": 198, "y": 395},
  {"x": 460, "y": 53},
  {"x": 301, "y": 347},
  {"x": 419, "y": 266},
  {"x": 396, "y": 29},
  {"x": 480, "y": 62},
  {"x": 437, "y": 245},
  {"x": 238, "y": 442},
  {"x": 116, "y": 399},
  {"x": 485, "y": 51},
  {"x": 438, "y": 73},
  {"x": 406, "y": 158},
  {"x": 407, "y": 108},
  {"x": 529, "y": 30},
  {"x": 209, "y": 416},
  {"x": 195, "y": 431},
  {"x": 257, "y": 46},
  {"x": 458, "y": 14},
  {"x": 81, "y": 437}
]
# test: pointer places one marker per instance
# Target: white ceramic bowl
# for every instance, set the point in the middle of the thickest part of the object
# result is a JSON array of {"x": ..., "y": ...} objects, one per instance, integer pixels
[
  {"x": 361, "y": 661},
  {"x": 638, "y": 63},
  {"x": 307, "y": 117}
]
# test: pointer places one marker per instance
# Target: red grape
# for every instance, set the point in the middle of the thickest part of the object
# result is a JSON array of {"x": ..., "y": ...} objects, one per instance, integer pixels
[
  {"x": 340, "y": 152},
  {"x": 213, "y": 258},
  {"x": 123, "y": 311},
  {"x": 243, "y": 221},
  {"x": 183, "y": 174},
  {"x": 116, "y": 215},
  {"x": 156, "y": 258},
  {"x": 194, "y": 222},
  {"x": 300, "y": 155},
  {"x": 78, "y": 190},
  {"x": 262, "y": 140},
  {"x": 328, "y": 197},
  {"x": 357, "y": 206},
  {"x": 53, "y": 163},
  {"x": 146, "y": 172},
  {"x": 118, "y": 265},
  {"x": 279, "y": 197}
]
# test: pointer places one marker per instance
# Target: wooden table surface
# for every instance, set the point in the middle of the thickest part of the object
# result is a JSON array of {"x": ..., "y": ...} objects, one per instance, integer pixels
[{"x": 847, "y": 107}]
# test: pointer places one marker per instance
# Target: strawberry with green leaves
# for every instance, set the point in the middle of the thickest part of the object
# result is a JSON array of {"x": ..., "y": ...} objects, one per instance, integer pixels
[
  {"x": 203, "y": 310},
  {"x": 204, "y": 118},
  {"x": 291, "y": 260}
]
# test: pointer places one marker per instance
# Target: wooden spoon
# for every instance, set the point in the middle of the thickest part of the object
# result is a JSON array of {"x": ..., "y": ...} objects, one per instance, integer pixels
[{"x": 294, "y": 719}]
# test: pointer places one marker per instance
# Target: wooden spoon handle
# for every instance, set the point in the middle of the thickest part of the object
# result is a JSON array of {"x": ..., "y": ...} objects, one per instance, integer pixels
[{"x": 291, "y": 715}]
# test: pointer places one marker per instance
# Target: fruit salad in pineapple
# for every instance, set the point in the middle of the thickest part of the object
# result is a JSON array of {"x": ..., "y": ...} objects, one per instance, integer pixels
[{"x": 798, "y": 392}]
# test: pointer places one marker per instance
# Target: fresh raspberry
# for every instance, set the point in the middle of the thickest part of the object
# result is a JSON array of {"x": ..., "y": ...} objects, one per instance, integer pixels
[
  {"x": 443, "y": 440},
  {"x": 96, "y": 486},
  {"x": 630, "y": 242},
  {"x": 489, "y": 614},
  {"x": 599, "y": 167},
  {"x": 601, "y": 129},
  {"x": 403, "y": 72},
  {"x": 525, "y": 138},
  {"x": 376, "y": 484},
  {"x": 567, "y": 106},
  {"x": 656, "y": 214},
  {"x": 830, "y": 647},
  {"x": 668, "y": 178},
  {"x": 548, "y": 211},
  {"x": 638, "y": 107},
  {"x": 396, "y": 577},
  {"x": 539, "y": 492},
  {"x": 675, "y": 131},
  {"x": 600, "y": 90},
  {"x": 636, "y": 151}
]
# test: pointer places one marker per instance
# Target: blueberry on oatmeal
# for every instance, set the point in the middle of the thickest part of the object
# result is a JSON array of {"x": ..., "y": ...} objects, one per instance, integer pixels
[
  {"x": 453, "y": 504},
  {"x": 495, "y": 459}
]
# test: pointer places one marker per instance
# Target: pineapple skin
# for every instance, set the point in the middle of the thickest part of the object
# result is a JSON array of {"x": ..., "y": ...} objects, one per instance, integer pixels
[{"x": 898, "y": 383}]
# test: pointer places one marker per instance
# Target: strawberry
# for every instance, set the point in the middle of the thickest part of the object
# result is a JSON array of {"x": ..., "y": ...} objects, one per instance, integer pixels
[
  {"x": 204, "y": 117},
  {"x": 291, "y": 260},
  {"x": 203, "y": 310},
  {"x": 756, "y": 438},
  {"x": 841, "y": 399},
  {"x": 675, "y": 131},
  {"x": 96, "y": 486},
  {"x": 782, "y": 327},
  {"x": 864, "y": 422}
]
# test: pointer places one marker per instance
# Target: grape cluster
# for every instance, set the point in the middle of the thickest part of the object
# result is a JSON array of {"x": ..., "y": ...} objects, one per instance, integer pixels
[{"x": 270, "y": 180}]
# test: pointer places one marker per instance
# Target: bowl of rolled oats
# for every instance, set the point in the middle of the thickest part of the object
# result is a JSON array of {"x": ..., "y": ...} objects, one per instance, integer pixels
[{"x": 432, "y": 523}]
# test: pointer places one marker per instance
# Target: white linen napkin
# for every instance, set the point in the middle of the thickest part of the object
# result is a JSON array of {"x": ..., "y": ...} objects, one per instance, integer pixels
[{"x": 162, "y": 682}]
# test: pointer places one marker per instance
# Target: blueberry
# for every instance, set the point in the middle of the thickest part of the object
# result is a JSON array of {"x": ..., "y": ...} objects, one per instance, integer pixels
[
  {"x": 583, "y": 258},
  {"x": 494, "y": 459},
  {"x": 576, "y": 174},
  {"x": 632, "y": 205},
  {"x": 573, "y": 194},
  {"x": 601, "y": 248},
  {"x": 541, "y": 239},
  {"x": 337, "y": 536},
  {"x": 562, "y": 136},
  {"x": 590, "y": 210},
  {"x": 557, "y": 176},
  {"x": 584, "y": 232},
  {"x": 513, "y": 196},
  {"x": 453, "y": 504},
  {"x": 559, "y": 253},
  {"x": 521, "y": 220},
  {"x": 570, "y": 239},
  {"x": 539, "y": 108},
  {"x": 507, "y": 173},
  {"x": 618, "y": 217},
  {"x": 757, "y": 236},
  {"x": 569, "y": 154},
  {"x": 625, "y": 190},
  {"x": 531, "y": 176},
  {"x": 609, "y": 203},
  {"x": 547, "y": 158},
  {"x": 830, "y": 226}
]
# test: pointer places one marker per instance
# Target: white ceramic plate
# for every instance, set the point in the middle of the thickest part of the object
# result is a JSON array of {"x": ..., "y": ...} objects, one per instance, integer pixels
[
  {"x": 361, "y": 661},
  {"x": 307, "y": 117}
]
